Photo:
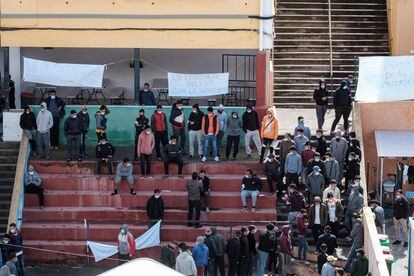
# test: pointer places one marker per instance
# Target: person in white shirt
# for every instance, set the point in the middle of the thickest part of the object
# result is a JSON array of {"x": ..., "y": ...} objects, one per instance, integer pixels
[
  {"x": 335, "y": 212},
  {"x": 184, "y": 262},
  {"x": 332, "y": 188},
  {"x": 317, "y": 218}
]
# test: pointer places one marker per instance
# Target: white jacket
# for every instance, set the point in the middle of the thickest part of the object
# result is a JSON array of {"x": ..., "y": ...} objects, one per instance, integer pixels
[
  {"x": 185, "y": 264},
  {"x": 44, "y": 120}
]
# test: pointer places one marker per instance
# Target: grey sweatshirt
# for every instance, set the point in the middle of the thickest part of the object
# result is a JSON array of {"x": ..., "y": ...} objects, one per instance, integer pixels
[
  {"x": 355, "y": 202},
  {"x": 123, "y": 171},
  {"x": 234, "y": 126},
  {"x": 44, "y": 120},
  {"x": 32, "y": 179},
  {"x": 357, "y": 233},
  {"x": 332, "y": 169},
  {"x": 339, "y": 148},
  {"x": 293, "y": 163},
  {"x": 315, "y": 184}
]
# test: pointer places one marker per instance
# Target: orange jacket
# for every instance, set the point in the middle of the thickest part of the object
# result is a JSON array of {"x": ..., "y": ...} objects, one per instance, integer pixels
[
  {"x": 270, "y": 126},
  {"x": 210, "y": 126}
]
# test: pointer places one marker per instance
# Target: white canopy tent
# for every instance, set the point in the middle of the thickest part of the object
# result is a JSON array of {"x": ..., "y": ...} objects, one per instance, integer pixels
[
  {"x": 141, "y": 266},
  {"x": 392, "y": 144}
]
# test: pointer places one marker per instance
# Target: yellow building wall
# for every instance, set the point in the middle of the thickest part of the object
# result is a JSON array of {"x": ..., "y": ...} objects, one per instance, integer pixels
[{"x": 114, "y": 23}]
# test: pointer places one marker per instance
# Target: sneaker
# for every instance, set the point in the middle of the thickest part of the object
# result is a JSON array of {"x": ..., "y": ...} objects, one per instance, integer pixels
[
  {"x": 150, "y": 177},
  {"x": 405, "y": 244},
  {"x": 207, "y": 210},
  {"x": 165, "y": 176},
  {"x": 181, "y": 176},
  {"x": 253, "y": 210},
  {"x": 51, "y": 147},
  {"x": 397, "y": 242},
  {"x": 114, "y": 192},
  {"x": 56, "y": 147},
  {"x": 204, "y": 159},
  {"x": 159, "y": 158},
  {"x": 217, "y": 159},
  {"x": 244, "y": 210},
  {"x": 42, "y": 207},
  {"x": 133, "y": 192},
  {"x": 142, "y": 177}
]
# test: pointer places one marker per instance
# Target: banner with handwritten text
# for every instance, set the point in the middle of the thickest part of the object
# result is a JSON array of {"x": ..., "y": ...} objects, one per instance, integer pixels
[
  {"x": 385, "y": 79},
  {"x": 197, "y": 85}
]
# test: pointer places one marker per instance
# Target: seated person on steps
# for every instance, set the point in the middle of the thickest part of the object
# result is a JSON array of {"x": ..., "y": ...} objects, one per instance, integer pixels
[
  {"x": 124, "y": 170},
  {"x": 104, "y": 153}
]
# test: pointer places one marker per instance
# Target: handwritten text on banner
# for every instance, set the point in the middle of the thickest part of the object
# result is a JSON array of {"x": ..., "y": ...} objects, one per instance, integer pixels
[{"x": 197, "y": 85}]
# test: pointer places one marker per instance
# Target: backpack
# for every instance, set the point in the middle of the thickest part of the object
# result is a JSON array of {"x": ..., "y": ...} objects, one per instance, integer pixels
[{"x": 272, "y": 241}]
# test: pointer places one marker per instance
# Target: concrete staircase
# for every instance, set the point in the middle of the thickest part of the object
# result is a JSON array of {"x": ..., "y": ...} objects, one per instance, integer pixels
[
  {"x": 301, "y": 51},
  {"x": 8, "y": 160}
]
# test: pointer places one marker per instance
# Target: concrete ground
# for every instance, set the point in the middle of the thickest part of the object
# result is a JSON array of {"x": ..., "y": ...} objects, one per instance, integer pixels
[{"x": 400, "y": 267}]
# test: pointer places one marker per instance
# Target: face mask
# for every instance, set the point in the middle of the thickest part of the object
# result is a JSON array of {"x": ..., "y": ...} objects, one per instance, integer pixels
[
  {"x": 31, "y": 172},
  {"x": 331, "y": 199},
  {"x": 301, "y": 122},
  {"x": 53, "y": 97},
  {"x": 13, "y": 231},
  {"x": 210, "y": 114},
  {"x": 300, "y": 134},
  {"x": 345, "y": 87},
  {"x": 220, "y": 111},
  {"x": 253, "y": 231},
  {"x": 317, "y": 173},
  {"x": 317, "y": 203},
  {"x": 128, "y": 164},
  {"x": 350, "y": 158},
  {"x": 157, "y": 196},
  {"x": 180, "y": 107},
  {"x": 194, "y": 110},
  {"x": 398, "y": 196},
  {"x": 357, "y": 182},
  {"x": 148, "y": 132},
  {"x": 249, "y": 111},
  {"x": 145, "y": 90},
  {"x": 27, "y": 112},
  {"x": 172, "y": 142},
  {"x": 318, "y": 136},
  {"x": 141, "y": 115},
  {"x": 43, "y": 109},
  {"x": 103, "y": 143},
  {"x": 327, "y": 158},
  {"x": 84, "y": 112},
  {"x": 235, "y": 116},
  {"x": 103, "y": 112},
  {"x": 74, "y": 116},
  {"x": 317, "y": 159},
  {"x": 307, "y": 148},
  {"x": 323, "y": 86},
  {"x": 269, "y": 115},
  {"x": 5, "y": 241},
  {"x": 247, "y": 175},
  {"x": 123, "y": 231}
]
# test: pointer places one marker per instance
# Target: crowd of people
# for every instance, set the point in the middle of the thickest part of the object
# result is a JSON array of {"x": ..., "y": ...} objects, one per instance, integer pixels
[{"x": 11, "y": 252}]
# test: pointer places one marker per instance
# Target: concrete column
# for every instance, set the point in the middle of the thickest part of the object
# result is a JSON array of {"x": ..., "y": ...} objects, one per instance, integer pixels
[
  {"x": 264, "y": 82},
  {"x": 15, "y": 72}
]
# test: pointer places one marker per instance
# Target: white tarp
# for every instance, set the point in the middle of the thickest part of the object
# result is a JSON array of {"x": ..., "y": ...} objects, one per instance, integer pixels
[
  {"x": 197, "y": 85},
  {"x": 150, "y": 238},
  {"x": 142, "y": 267},
  {"x": 102, "y": 251},
  {"x": 385, "y": 79},
  {"x": 393, "y": 143},
  {"x": 63, "y": 74}
]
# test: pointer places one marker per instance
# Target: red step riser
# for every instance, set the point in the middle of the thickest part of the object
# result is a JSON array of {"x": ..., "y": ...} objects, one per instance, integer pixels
[
  {"x": 89, "y": 167},
  {"x": 127, "y": 200}
]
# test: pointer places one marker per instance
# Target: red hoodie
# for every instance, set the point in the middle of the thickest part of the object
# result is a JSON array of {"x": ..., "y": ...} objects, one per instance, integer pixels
[
  {"x": 285, "y": 245},
  {"x": 302, "y": 225}
]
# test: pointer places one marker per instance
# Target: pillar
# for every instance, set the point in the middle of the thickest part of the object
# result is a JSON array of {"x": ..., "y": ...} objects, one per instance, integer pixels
[
  {"x": 15, "y": 72},
  {"x": 136, "y": 76},
  {"x": 264, "y": 82}
]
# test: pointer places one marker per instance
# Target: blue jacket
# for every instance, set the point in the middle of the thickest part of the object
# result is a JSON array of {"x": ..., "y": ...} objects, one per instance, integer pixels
[
  {"x": 293, "y": 163},
  {"x": 146, "y": 98},
  {"x": 200, "y": 255},
  {"x": 306, "y": 130},
  {"x": 300, "y": 143}
]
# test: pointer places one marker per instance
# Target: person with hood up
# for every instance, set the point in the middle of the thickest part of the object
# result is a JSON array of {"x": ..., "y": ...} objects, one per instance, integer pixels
[
  {"x": 300, "y": 140},
  {"x": 32, "y": 185},
  {"x": 172, "y": 154},
  {"x": 126, "y": 245},
  {"x": 155, "y": 208},
  {"x": 342, "y": 102},
  {"x": 234, "y": 125},
  {"x": 251, "y": 187},
  {"x": 251, "y": 126},
  {"x": 353, "y": 145},
  {"x": 194, "y": 130},
  {"x": 141, "y": 123},
  {"x": 222, "y": 119},
  {"x": 29, "y": 126},
  {"x": 57, "y": 107},
  {"x": 184, "y": 263},
  {"x": 100, "y": 121},
  {"x": 233, "y": 253},
  {"x": 212, "y": 252},
  {"x": 221, "y": 247},
  {"x": 357, "y": 238},
  {"x": 269, "y": 132},
  {"x": 104, "y": 153},
  {"x": 322, "y": 257},
  {"x": 5, "y": 248},
  {"x": 145, "y": 146},
  {"x": 355, "y": 204},
  {"x": 73, "y": 130},
  {"x": 200, "y": 255},
  {"x": 210, "y": 128},
  {"x": 160, "y": 129},
  {"x": 177, "y": 120},
  {"x": 305, "y": 129},
  {"x": 331, "y": 169},
  {"x": 321, "y": 145},
  {"x": 16, "y": 241},
  {"x": 284, "y": 147},
  {"x": 167, "y": 255},
  {"x": 285, "y": 251},
  {"x": 359, "y": 266},
  {"x": 320, "y": 96},
  {"x": 315, "y": 184},
  {"x": 146, "y": 96},
  {"x": 124, "y": 170},
  {"x": 352, "y": 169},
  {"x": 272, "y": 172},
  {"x": 338, "y": 148},
  {"x": 44, "y": 123},
  {"x": 84, "y": 119},
  {"x": 334, "y": 212}
]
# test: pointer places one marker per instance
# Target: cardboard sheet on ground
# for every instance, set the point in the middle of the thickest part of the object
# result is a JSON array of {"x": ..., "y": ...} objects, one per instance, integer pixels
[
  {"x": 385, "y": 79},
  {"x": 197, "y": 85},
  {"x": 62, "y": 74}
]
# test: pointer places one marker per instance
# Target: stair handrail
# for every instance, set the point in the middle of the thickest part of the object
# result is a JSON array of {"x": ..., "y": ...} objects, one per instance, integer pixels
[
  {"x": 17, "y": 200},
  {"x": 330, "y": 46}
]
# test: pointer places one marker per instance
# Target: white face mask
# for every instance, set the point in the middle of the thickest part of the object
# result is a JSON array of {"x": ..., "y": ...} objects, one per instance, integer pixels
[
  {"x": 53, "y": 97},
  {"x": 103, "y": 142},
  {"x": 318, "y": 136},
  {"x": 234, "y": 116},
  {"x": 27, "y": 112},
  {"x": 84, "y": 112},
  {"x": 350, "y": 158},
  {"x": 323, "y": 86},
  {"x": 398, "y": 196},
  {"x": 31, "y": 172},
  {"x": 123, "y": 231},
  {"x": 307, "y": 148},
  {"x": 247, "y": 175},
  {"x": 13, "y": 231},
  {"x": 317, "y": 159},
  {"x": 194, "y": 110},
  {"x": 159, "y": 111},
  {"x": 103, "y": 112},
  {"x": 180, "y": 107},
  {"x": 317, "y": 173},
  {"x": 173, "y": 142},
  {"x": 74, "y": 116},
  {"x": 249, "y": 111},
  {"x": 42, "y": 109},
  {"x": 148, "y": 132},
  {"x": 357, "y": 182},
  {"x": 157, "y": 196},
  {"x": 128, "y": 164},
  {"x": 145, "y": 90}
]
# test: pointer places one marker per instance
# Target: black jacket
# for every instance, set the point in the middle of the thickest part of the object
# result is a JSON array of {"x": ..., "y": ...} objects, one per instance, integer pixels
[
  {"x": 322, "y": 259},
  {"x": 342, "y": 96},
  {"x": 401, "y": 208},
  {"x": 173, "y": 151},
  {"x": 72, "y": 126},
  {"x": 272, "y": 168},
  {"x": 319, "y": 93},
  {"x": 353, "y": 147},
  {"x": 84, "y": 121},
  {"x": 175, "y": 112},
  {"x": 6, "y": 250},
  {"x": 206, "y": 183},
  {"x": 167, "y": 256},
  {"x": 250, "y": 121},
  {"x": 352, "y": 169},
  {"x": 197, "y": 118},
  {"x": 252, "y": 184},
  {"x": 142, "y": 123},
  {"x": 28, "y": 121},
  {"x": 244, "y": 247},
  {"x": 330, "y": 241},
  {"x": 321, "y": 146},
  {"x": 233, "y": 249},
  {"x": 155, "y": 208},
  {"x": 59, "y": 103},
  {"x": 211, "y": 245},
  {"x": 264, "y": 241},
  {"x": 103, "y": 151},
  {"x": 252, "y": 243},
  {"x": 16, "y": 240}
]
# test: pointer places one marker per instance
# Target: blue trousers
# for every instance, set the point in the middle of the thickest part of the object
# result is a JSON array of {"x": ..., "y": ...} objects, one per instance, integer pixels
[
  {"x": 303, "y": 248},
  {"x": 263, "y": 256},
  {"x": 213, "y": 140}
]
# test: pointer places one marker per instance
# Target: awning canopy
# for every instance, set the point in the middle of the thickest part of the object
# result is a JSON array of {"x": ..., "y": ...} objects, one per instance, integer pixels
[
  {"x": 141, "y": 266},
  {"x": 394, "y": 143}
]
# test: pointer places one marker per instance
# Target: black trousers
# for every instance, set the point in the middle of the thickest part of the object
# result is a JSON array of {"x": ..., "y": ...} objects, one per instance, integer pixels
[
  {"x": 193, "y": 205},
  {"x": 177, "y": 161},
  {"x": 341, "y": 111},
  {"x": 266, "y": 142},
  {"x": 34, "y": 189},
  {"x": 233, "y": 267},
  {"x": 180, "y": 134},
  {"x": 123, "y": 258},
  {"x": 145, "y": 158},
  {"x": 54, "y": 132},
  {"x": 317, "y": 230},
  {"x": 83, "y": 143},
  {"x": 219, "y": 265},
  {"x": 292, "y": 178},
  {"x": 161, "y": 137},
  {"x": 272, "y": 261},
  {"x": 244, "y": 262},
  {"x": 99, "y": 165},
  {"x": 274, "y": 177},
  {"x": 232, "y": 141}
]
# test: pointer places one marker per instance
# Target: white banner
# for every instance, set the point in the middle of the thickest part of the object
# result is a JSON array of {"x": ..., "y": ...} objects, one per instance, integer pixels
[
  {"x": 385, "y": 79},
  {"x": 150, "y": 238},
  {"x": 197, "y": 85},
  {"x": 102, "y": 251},
  {"x": 63, "y": 74}
]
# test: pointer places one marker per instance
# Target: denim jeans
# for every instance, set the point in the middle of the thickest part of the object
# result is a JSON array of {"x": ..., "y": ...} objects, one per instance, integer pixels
[
  {"x": 209, "y": 268},
  {"x": 303, "y": 248},
  {"x": 351, "y": 255},
  {"x": 292, "y": 216},
  {"x": 252, "y": 194},
  {"x": 252, "y": 262},
  {"x": 262, "y": 262},
  {"x": 213, "y": 140},
  {"x": 207, "y": 198}
]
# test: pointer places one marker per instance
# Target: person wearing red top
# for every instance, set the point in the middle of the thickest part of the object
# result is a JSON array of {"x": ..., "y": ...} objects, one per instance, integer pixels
[
  {"x": 210, "y": 128},
  {"x": 145, "y": 145},
  {"x": 302, "y": 225},
  {"x": 285, "y": 251},
  {"x": 307, "y": 154},
  {"x": 126, "y": 245},
  {"x": 159, "y": 128}
]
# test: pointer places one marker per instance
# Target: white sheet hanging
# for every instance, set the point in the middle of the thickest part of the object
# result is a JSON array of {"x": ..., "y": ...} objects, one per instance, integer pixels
[
  {"x": 150, "y": 238},
  {"x": 102, "y": 251}
]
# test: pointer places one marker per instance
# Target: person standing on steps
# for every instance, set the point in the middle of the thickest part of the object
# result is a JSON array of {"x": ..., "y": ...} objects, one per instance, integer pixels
[
  {"x": 328, "y": 268},
  {"x": 317, "y": 218},
  {"x": 126, "y": 245},
  {"x": 194, "y": 189},
  {"x": 184, "y": 262},
  {"x": 146, "y": 96},
  {"x": 72, "y": 130},
  {"x": 33, "y": 185},
  {"x": 57, "y": 107},
  {"x": 155, "y": 208},
  {"x": 307, "y": 154},
  {"x": 194, "y": 130},
  {"x": 160, "y": 129},
  {"x": 300, "y": 141},
  {"x": 233, "y": 253},
  {"x": 101, "y": 121},
  {"x": 293, "y": 166},
  {"x": 329, "y": 240},
  {"x": 379, "y": 216},
  {"x": 29, "y": 127},
  {"x": 316, "y": 161},
  {"x": 222, "y": 118},
  {"x": 272, "y": 172},
  {"x": 141, "y": 123},
  {"x": 221, "y": 247},
  {"x": 320, "y": 96},
  {"x": 244, "y": 252},
  {"x": 145, "y": 146},
  {"x": 285, "y": 251},
  {"x": 269, "y": 132},
  {"x": 16, "y": 241},
  {"x": 321, "y": 145},
  {"x": 124, "y": 170},
  {"x": 212, "y": 252},
  {"x": 357, "y": 238},
  {"x": 400, "y": 218},
  {"x": 167, "y": 255},
  {"x": 315, "y": 183},
  {"x": 296, "y": 201},
  {"x": 267, "y": 242},
  {"x": 355, "y": 204},
  {"x": 200, "y": 255},
  {"x": 334, "y": 212},
  {"x": 305, "y": 129},
  {"x": 234, "y": 125},
  {"x": 342, "y": 102},
  {"x": 252, "y": 250},
  {"x": 84, "y": 119},
  {"x": 210, "y": 129},
  {"x": 251, "y": 126},
  {"x": 177, "y": 120},
  {"x": 104, "y": 153},
  {"x": 173, "y": 154},
  {"x": 338, "y": 148},
  {"x": 44, "y": 123},
  {"x": 205, "y": 181},
  {"x": 332, "y": 169},
  {"x": 302, "y": 226},
  {"x": 322, "y": 257}
]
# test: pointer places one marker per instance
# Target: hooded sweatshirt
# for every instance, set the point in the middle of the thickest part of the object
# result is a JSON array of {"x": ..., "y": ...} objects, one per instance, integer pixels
[
  {"x": 250, "y": 121},
  {"x": 306, "y": 130},
  {"x": 196, "y": 118},
  {"x": 28, "y": 121},
  {"x": 319, "y": 93},
  {"x": 32, "y": 179},
  {"x": 338, "y": 148},
  {"x": 270, "y": 126},
  {"x": 145, "y": 143},
  {"x": 222, "y": 118},
  {"x": 342, "y": 95},
  {"x": 200, "y": 255},
  {"x": 177, "y": 117},
  {"x": 185, "y": 264},
  {"x": 285, "y": 244},
  {"x": 44, "y": 119},
  {"x": 234, "y": 125},
  {"x": 158, "y": 122},
  {"x": 100, "y": 119},
  {"x": 218, "y": 241}
]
